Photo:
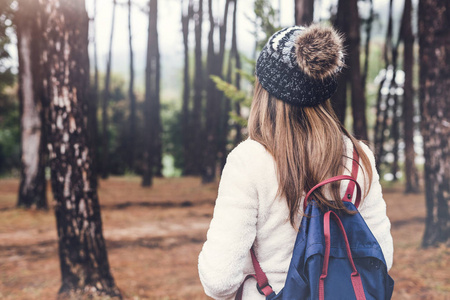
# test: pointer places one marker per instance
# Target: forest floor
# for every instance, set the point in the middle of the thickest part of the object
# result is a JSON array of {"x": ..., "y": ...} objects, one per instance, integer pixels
[{"x": 154, "y": 237}]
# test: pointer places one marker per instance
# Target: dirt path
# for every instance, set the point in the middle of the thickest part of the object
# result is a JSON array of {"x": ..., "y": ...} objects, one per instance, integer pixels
[{"x": 154, "y": 237}]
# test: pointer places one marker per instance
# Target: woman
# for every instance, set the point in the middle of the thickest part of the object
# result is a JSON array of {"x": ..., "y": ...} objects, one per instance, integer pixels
[{"x": 295, "y": 142}]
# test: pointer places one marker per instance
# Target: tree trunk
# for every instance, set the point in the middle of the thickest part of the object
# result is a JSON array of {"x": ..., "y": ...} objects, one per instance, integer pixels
[
  {"x": 369, "y": 22},
  {"x": 395, "y": 126},
  {"x": 407, "y": 36},
  {"x": 304, "y": 12},
  {"x": 210, "y": 153},
  {"x": 82, "y": 251},
  {"x": 214, "y": 97},
  {"x": 234, "y": 57},
  {"x": 105, "y": 138},
  {"x": 434, "y": 40},
  {"x": 224, "y": 107},
  {"x": 395, "y": 110},
  {"x": 381, "y": 115},
  {"x": 384, "y": 125},
  {"x": 339, "y": 99},
  {"x": 32, "y": 190},
  {"x": 358, "y": 97},
  {"x": 194, "y": 165},
  {"x": 152, "y": 106},
  {"x": 156, "y": 113},
  {"x": 394, "y": 129},
  {"x": 222, "y": 37},
  {"x": 186, "y": 134},
  {"x": 377, "y": 137},
  {"x": 132, "y": 118}
]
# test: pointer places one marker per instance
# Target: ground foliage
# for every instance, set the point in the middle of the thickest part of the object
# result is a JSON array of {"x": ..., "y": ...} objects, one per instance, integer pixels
[{"x": 154, "y": 237}]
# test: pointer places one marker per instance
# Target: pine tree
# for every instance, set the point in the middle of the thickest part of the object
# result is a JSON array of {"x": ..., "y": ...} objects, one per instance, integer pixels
[
  {"x": 152, "y": 157},
  {"x": 407, "y": 36},
  {"x": 82, "y": 250},
  {"x": 186, "y": 16},
  {"x": 32, "y": 191},
  {"x": 131, "y": 145},
  {"x": 434, "y": 20}
]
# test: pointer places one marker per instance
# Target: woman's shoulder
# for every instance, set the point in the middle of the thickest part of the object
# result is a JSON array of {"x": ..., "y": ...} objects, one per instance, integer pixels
[
  {"x": 250, "y": 152},
  {"x": 249, "y": 148}
]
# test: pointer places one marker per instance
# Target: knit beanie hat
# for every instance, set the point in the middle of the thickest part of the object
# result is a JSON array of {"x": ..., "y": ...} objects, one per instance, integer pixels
[{"x": 298, "y": 65}]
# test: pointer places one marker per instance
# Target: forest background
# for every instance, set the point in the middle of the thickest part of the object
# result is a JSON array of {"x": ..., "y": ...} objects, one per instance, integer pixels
[{"x": 131, "y": 107}]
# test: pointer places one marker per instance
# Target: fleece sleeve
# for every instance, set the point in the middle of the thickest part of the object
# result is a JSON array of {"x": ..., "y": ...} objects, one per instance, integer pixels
[
  {"x": 232, "y": 230},
  {"x": 373, "y": 210}
]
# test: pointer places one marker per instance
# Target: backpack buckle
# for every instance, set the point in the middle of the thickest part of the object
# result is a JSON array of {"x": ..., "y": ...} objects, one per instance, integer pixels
[{"x": 260, "y": 289}]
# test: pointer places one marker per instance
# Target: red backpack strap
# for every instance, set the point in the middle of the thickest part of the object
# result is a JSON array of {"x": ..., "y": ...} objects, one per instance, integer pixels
[
  {"x": 334, "y": 179},
  {"x": 241, "y": 288},
  {"x": 261, "y": 278},
  {"x": 355, "y": 277},
  {"x": 351, "y": 186},
  {"x": 262, "y": 285}
]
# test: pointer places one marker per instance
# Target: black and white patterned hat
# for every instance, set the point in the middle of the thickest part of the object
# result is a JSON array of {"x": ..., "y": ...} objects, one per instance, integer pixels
[{"x": 299, "y": 65}]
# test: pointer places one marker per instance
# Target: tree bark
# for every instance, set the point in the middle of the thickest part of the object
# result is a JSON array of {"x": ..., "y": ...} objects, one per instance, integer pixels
[
  {"x": 304, "y": 12},
  {"x": 82, "y": 251},
  {"x": 152, "y": 105},
  {"x": 32, "y": 190},
  {"x": 358, "y": 97},
  {"x": 105, "y": 138},
  {"x": 132, "y": 118},
  {"x": 434, "y": 41},
  {"x": 411, "y": 177}
]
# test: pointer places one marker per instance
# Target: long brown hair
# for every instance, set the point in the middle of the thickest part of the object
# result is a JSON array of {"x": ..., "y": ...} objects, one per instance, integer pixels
[{"x": 307, "y": 145}]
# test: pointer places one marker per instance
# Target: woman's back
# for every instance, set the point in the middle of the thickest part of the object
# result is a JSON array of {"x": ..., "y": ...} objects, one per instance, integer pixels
[{"x": 248, "y": 211}]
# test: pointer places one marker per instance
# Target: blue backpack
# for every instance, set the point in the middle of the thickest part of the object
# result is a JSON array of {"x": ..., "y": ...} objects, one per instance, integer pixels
[{"x": 332, "y": 260}]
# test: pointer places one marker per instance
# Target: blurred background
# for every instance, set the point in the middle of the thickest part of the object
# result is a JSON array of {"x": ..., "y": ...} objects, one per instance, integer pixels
[{"x": 125, "y": 111}]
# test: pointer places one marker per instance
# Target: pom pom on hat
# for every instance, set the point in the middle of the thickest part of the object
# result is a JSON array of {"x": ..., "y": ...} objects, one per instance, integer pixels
[
  {"x": 299, "y": 65},
  {"x": 319, "y": 51}
]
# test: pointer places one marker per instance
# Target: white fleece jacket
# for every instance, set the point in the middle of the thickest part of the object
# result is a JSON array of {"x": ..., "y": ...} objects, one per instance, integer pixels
[{"x": 247, "y": 213}]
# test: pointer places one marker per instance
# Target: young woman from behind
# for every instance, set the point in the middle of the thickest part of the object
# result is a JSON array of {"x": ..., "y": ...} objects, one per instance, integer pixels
[{"x": 295, "y": 142}]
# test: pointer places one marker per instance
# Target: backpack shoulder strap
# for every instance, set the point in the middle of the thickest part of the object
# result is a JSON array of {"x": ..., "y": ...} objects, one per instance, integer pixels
[
  {"x": 351, "y": 186},
  {"x": 262, "y": 285},
  {"x": 261, "y": 278},
  {"x": 334, "y": 179}
]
